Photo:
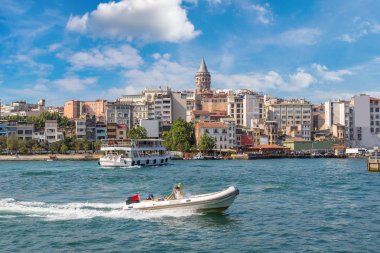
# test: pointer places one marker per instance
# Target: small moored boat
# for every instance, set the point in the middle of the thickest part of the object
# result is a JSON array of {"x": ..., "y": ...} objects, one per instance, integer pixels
[{"x": 211, "y": 202}]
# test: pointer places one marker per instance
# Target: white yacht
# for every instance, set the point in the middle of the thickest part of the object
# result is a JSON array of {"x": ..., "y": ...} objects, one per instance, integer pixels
[{"x": 127, "y": 153}]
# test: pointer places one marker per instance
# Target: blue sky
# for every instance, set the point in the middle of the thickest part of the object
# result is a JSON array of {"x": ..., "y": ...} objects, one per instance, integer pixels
[{"x": 61, "y": 50}]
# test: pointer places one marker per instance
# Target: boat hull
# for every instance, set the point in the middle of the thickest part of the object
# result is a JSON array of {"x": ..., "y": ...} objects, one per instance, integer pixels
[
  {"x": 213, "y": 202},
  {"x": 118, "y": 162}
]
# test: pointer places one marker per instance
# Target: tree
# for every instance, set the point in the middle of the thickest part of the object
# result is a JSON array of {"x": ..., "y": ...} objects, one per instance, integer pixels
[
  {"x": 22, "y": 147},
  {"x": 206, "y": 143},
  {"x": 3, "y": 143},
  {"x": 12, "y": 143},
  {"x": 86, "y": 145},
  {"x": 55, "y": 146},
  {"x": 36, "y": 147},
  {"x": 78, "y": 145},
  {"x": 63, "y": 148},
  {"x": 137, "y": 133},
  {"x": 180, "y": 137},
  {"x": 97, "y": 145}
]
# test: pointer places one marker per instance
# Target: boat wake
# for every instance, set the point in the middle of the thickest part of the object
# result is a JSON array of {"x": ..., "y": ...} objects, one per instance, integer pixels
[{"x": 11, "y": 208}]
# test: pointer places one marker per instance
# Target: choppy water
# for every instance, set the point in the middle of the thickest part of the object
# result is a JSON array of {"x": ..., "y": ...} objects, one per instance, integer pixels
[{"x": 309, "y": 205}]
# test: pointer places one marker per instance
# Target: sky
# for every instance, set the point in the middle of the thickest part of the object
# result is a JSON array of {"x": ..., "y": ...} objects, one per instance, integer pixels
[{"x": 87, "y": 50}]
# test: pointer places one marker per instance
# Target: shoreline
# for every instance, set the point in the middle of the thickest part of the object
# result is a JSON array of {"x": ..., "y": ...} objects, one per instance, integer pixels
[
  {"x": 95, "y": 157},
  {"x": 58, "y": 157}
]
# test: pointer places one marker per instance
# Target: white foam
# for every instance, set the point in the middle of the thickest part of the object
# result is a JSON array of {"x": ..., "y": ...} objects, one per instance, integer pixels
[{"x": 73, "y": 211}]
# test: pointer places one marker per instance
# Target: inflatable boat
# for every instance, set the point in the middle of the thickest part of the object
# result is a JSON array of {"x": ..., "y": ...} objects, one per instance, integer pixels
[{"x": 211, "y": 202}]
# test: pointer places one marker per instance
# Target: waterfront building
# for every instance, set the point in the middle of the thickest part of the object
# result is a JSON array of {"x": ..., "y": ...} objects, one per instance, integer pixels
[
  {"x": 100, "y": 131},
  {"x": 318, "y": 117},
  {"x": 51, "y": 131},
  {"x": 158, "y": 104},
  {"x": 119, "y": 113},
  {"x": 24, "y": 131},
  {"x": 74, "y": 109},
  {"x": 22, "y": 108},
  {"x": 246, "y": 107},
  {"x": 152, "y": 127},
  {"x": 3, "y": 129},
  {"x": 217, "y": 130},
  {"x": 363, "y": 122},
  {"x": 80, "y": 128},
  {"x": 231, "y": 133},
  {"x": 86, "y": 128},
  {"x": 111, "y": 130},
  {"x": 335, "y": 113},
  {"x": 302, "y": 131},
  {"x": 271, "y": 130},
  {"x": 121, "y": 131},
  {"x": 20, "y": 130},
  {"x": 338, "y": 131},
  {"x": 291, "y": 112},
  {"x": 297, "y": 144}
]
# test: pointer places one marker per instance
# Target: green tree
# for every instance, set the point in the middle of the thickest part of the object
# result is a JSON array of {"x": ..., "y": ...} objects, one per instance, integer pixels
[
  {"x": 55, "y": 146},
  {"x": 12, "y": 143},
  {"x": 137, "y": 133},
  {"x": 78, "y": 144},
  {"x": 3, "y": 143},
  {"x": 206, "y": 143},
  {"x": 86, "y": 145},
  {"x": 97, "y": 146},
  {"x": 180, "y": 137},
  {"x": 22, "y": 147},
  {"x": 64, "y": 148},
  {"x": 36, "y": 147}
]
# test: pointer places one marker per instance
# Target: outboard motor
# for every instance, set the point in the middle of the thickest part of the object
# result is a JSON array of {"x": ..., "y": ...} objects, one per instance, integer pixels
[{"x": 133, "y": 199}]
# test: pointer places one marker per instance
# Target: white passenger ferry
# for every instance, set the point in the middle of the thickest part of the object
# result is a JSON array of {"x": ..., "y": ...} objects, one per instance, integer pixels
[{"x": 127, "y": 153}]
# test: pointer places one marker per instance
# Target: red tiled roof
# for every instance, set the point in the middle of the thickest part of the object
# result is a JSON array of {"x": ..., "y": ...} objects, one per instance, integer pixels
[
  {"x": 339, "y": 147},
  {"x": 212, "y": 125},
  {"x": 374, "y": 99}
]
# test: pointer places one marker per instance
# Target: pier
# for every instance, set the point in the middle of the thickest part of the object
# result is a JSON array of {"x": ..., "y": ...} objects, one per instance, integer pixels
[{"x": 374, "y": 164}]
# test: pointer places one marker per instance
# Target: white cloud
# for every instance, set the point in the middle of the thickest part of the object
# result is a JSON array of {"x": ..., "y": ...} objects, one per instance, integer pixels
[
  {"x": 294, "y": 37},
  {"x": 334, "y": 76},
  {"x": 158, "y": 56},
  {"x": 213, "y": 2},
  {"x": 266, "y": 81},
  {"x": 107, "y": 57},
  {"x": 143, "y": 20},
  {"x": 264, "y": 14},
  {"x": 162, "y": 72},
  {"x": 360, "y": 29},
  {"x": 77, "y": 24},
  {"x": 26, "y": 59},
  {"x": 54, "y": 47},
  {"x": 74, "y": 83}
]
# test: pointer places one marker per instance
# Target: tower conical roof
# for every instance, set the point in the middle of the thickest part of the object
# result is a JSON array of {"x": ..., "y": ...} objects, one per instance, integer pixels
[{"x": 203, "y": 67}]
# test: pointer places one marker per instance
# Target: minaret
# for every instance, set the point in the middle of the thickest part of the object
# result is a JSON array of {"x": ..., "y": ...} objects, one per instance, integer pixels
[{"x": 202, "y": 79}]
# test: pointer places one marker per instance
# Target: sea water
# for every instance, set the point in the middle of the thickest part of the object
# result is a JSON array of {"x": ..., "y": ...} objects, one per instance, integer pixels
[{"x": 285, "y": 205}]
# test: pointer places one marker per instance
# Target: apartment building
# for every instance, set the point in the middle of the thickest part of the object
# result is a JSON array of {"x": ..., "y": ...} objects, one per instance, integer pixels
[
  {"x": 217, "y": 130},
  {"x": 363, "y": 122},
  {"x": 51, "y": 133},
  {"x": 74, "y": 109},
  {"x": 100, "y": 131},
  {"x": 246, "y": 107},
  {"x": 291, "y": 112},
  {"x": 119, "y": 113}
]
